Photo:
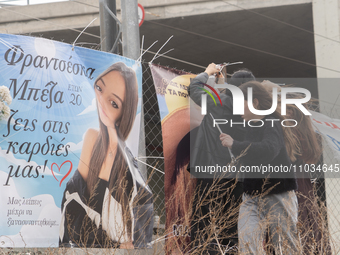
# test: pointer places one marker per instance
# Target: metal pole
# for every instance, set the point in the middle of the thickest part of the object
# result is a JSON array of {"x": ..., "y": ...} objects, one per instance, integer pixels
[
  {"x": 108, "y": 26},
  {"x": 131, "y": 49},
  {"x": 130, "y": 29}
]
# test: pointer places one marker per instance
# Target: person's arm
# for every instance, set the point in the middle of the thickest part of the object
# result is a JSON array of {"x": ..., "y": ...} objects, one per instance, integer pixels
[
  {"x": 265, "y": 150},
  {"x": 198, "y": 82},
  {"x": 86, "y": 152}
]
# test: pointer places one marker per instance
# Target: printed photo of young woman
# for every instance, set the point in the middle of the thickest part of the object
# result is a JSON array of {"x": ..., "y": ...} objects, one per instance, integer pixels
[{"x": 107, "y": 203}]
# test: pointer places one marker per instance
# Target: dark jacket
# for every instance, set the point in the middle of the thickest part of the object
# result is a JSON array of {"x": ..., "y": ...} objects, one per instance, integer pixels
[
  {"x": 89, "y": 223},
  {"x": 266, "y": 147},
  {"x": 206, "y": 148}
]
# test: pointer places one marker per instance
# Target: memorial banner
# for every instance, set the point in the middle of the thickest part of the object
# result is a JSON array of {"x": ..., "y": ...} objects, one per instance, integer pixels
[
  {"x": 171, "y": 86},
  {"x": 55, "y": 89},
  {"x": 329, "y": 128}
]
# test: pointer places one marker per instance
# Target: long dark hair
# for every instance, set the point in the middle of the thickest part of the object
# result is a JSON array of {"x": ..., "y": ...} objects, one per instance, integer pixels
[
  {"x": 265, "y": 102},
  {"x": 310, "y": 142},
  {"x": 119, "y": 171}
]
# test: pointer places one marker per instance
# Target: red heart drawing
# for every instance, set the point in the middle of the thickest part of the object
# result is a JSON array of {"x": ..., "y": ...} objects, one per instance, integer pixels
[{"x": 69, "y": 171}]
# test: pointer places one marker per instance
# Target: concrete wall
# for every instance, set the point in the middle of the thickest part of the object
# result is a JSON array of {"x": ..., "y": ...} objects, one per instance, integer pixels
[
  {"x": 64, "y": 15},
  {"x": 56, "y": 16}
]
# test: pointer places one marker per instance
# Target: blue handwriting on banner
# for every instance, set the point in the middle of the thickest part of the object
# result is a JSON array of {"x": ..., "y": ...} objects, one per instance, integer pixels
[{"x": 336, "y": 142}]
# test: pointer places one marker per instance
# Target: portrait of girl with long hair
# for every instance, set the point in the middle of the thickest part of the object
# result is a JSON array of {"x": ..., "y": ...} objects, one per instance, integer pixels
[{"x": 107, "y": 202}]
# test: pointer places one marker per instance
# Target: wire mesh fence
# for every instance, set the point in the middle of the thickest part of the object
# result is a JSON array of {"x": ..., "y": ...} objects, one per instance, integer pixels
[
  {"x": 326, "y": 188},
  {"x": 327, "y": 183},
  {"x": 154, "y": 160}
]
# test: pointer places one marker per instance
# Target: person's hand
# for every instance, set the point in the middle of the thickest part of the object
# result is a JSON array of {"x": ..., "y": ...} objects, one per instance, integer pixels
[
  {"x": 270, "y": 85},
  {"x": 211, "y": 69},
  {"x": 127, "y": 245},
  {"x": 226, "y": 140},
  {"x": 220, "y": 78}
]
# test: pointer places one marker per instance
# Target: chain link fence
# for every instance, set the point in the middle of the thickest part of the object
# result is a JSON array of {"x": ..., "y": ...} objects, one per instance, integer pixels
[
  {"x": 327, "y": 189},
  {"x": 154, "y": 160},
  {"x": 327, "y": 185}
]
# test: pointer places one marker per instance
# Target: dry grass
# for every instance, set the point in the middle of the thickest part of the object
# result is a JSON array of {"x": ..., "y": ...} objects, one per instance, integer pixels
[
  {"x": 314, "y": 239},
  {"x": 314, "y": 236}
]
